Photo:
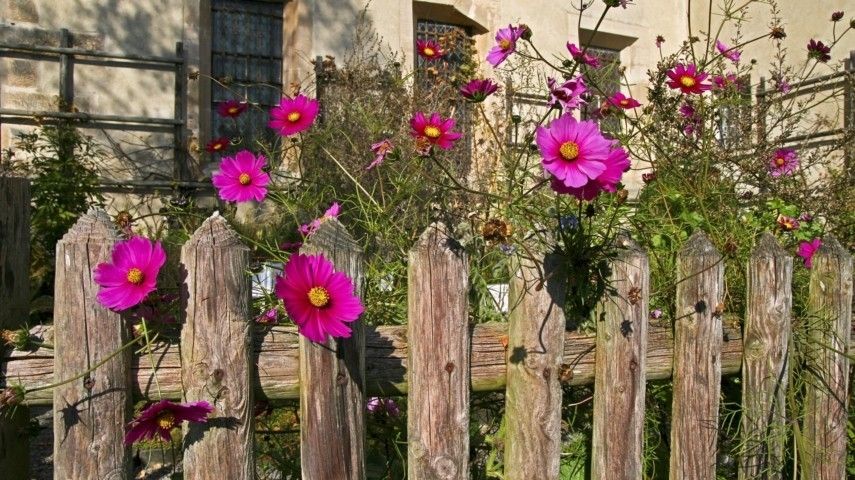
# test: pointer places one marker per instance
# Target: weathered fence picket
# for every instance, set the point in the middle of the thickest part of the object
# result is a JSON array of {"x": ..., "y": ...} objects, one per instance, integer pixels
[
  {"x": 438, "y": 378},
  {"x": 91, "y": 410},
  {"x": 697, "y": 360},
  {"x": 216, "y": 353},
  {"x": 621, "y": 361}
]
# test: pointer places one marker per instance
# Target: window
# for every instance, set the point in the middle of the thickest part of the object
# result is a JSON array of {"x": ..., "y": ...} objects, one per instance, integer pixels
[
  {"x": 246, "y": 62},
  {"x": 607, "y": 80}
]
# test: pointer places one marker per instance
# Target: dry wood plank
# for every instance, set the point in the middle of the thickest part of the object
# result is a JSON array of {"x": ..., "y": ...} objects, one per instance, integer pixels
[
  {"x": 826, "y": 396},
  {"x": 14, "y": 310},
  {"x": 533, "y": 392},
  {"x": 438, "y": 356},
  {"x": 620, "y": 384},
  {"x": 216, "y": 353},
  {"x": 332, "y": 400},
  {"x": 697, "y": 360},
  {"x": 89, "y": 413},
  {"x": 764, "y": 365}
]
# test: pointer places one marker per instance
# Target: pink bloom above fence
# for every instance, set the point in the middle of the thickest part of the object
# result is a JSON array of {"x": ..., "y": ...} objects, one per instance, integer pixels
[
  {"x": 582, "y": 57},
  {"x": 616, "y": 163},
  {"x": 573, "y": 152},
  {"x": 478, "y": 90},
  {"x": 567, "y": 95},
  {"x": 293, "y": 115},
  {"x": 731, "y": 54},
  {"x": 622, "y": 101},
  {"x": 160, "y": 418},
  {"x": 783, "y": 162},
  {"x": 435, "y": 130},
  {"x": 132, "y": 275},
  {"x": 241, "y": 178},
  {"x": 808, "y": 249},
  {"x": 429, "y": 49},
  {"x": 309, "y": 229},
  {"x": 688, "y": 79},
  {"x": 318, "y": 299},
  {"x": 231, "y": 108},
  {"x": 506, "y": 44}
]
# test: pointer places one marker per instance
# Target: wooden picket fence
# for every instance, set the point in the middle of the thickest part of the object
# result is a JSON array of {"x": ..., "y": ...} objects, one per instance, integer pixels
[{"x": 436, "y": 359}]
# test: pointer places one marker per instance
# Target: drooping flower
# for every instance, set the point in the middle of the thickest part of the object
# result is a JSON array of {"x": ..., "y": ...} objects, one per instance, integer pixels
[
  {"x": 320, "y": 300},
  {"x": 217, "y": 145},
  {"x": 731, "y": 54},
  {"x": 380, "y": 149},
  {"x": 818, "y": 51},
  {"x": 581, "y": 57},
  {"x": 293, "y": 115},
  {"x": 784, "y": 161},
  {"x": 436, "y": 130},
  {"x": 688, "y": 79},
  {"x": 568, "y": 94},
  {"x": 787, "y": 224},
  {"x": 659, "y": 41},
  {"x": 496, "y": 230},
  {"x": 131, "y": 275},
  {"x": 231, "y": 108},
  {"x": 622, "y": 101},
  {"x": 478, "y": 90},
  {"x": 808, "y": 249},
  {"x": 506, "y": 44},
  {"x": 429, "y": 49},
  {"x": 241, "y": 178},
  {"x": 158, "y": 419},
  {"x": 617, "y": 162},
  {"x": 573, "y": 152},
  {"x": 309, "y": 229}
]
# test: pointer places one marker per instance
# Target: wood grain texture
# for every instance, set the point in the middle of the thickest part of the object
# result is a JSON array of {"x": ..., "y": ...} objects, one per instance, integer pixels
[
  {"x": 14, "y": 310},
  {"x": 620, "y": 383},
  {"x": 826, "y": 397},
  {"x": 216, "y": 353},
  {"x": 697, "y": 360},
  {"x": 89, "y": 416},
  {"x": 438, "y": 356},
  {"x": 332, "y": 374},
  {"x": 766, "y": 358},
  {"x": 533, "y": 392}
]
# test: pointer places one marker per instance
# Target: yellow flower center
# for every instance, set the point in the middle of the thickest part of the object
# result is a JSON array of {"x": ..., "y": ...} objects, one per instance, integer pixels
[
  {"x": 233, "y": 110},
  {"x": 779, "y": 161},
  {"x": 319, "y": 297},
  {"x": 569, "y": 150},
  {"x": 504, "y": 44},
  {"x": 428, "y": 52},
  {"x": 432, "y": 131},
  {"x": 244, "y": 179},
  {"x": 218, "y": 146},
  {"x": 293, "y": 116},
  {"x": 624, "y": 102},
  {"x": 135, "y": 276},
  {"x": 688, "y": 81},
  {"x": 166, "y": 420}
]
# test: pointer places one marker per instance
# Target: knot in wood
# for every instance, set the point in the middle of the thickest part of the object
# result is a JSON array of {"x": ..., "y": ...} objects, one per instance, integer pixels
[
  {"x": 633, "y": 365},
  {"x": 340, "y": 379},
  {"x": 547, "y": 372},
  {"x": 755, "y": 348},
  {"x": 449, "y": 367},
  {"x": 444, "y": 467}
]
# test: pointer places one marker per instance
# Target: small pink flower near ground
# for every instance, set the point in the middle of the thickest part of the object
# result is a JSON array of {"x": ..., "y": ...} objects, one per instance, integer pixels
[
  {"x": 293, "y": 115},
  {"x": 784, "y": 161},
  {"x": 617, "y": 162},
  {"x": 231, "y": 108},
  {"x": 688, "y": 79},
  {"x": 808, "y": 249},
  {"x": 731, "y": 54},
  {"x": 582, "y": 58},
  {"x": 573, "y": 152},
  {"x": 319, "y": 300},
  {"x": 506, "y": 44},
  {"x": 132, "y": 274},
  {"x": 217, "y": 145},
  {"x": 568, "y": 94},
  {"x": 380, "y": 149},
  {"x": 622, "y": 101},
  {"x": 476, "y": 91},
  {"x": 436, "y": 130},
  {"x": 241, "y": 178},
  {"x": 158, "y": 419},
  {"x": 429, "y": 49},
  {"x": 309, "y": 229}
]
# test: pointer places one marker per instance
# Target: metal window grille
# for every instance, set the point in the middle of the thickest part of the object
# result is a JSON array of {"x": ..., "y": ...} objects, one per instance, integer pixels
[
  {"x": 246, "y": 63},
  {"x": 607, "y": 79}
]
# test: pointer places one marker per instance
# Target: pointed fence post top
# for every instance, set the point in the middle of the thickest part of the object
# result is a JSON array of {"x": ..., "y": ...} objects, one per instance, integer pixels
[
  {"x": 436, "y": 237},
  {"x": 628, "y": 248},
  {"x": 215, "y": 232},
  {"x": 331, "y": 237},
  {"x": 767, "y": 246},
  {"x": 699, "y": 245},
  {"x": 93, "y": 227}
]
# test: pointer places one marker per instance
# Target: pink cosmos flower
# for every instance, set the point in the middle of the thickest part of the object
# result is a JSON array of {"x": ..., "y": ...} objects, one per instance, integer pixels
[
  {"x": 158, "y": 419},
  {"x": 622, "y": 101},
  {"x": 217, "y": 145},
  {"x": 583, "y": 58},
  {"x": 506, "y": 44},
  {"x": 309, "y": 229},
  {"x": 231, "y": 108},
  {"x": 476, "y": 91},
  {"x": 784, "y": 161},
  {"x": 434, "y": 129},
  {"x": 568, "y": 94},
  {"x": 320, "y": 300},
  {"x": 617, "y": 162},
  {"x": 808, "y": 249},
  {"x": 380, "y": 149},
  {"x": 781, "y": 84},
  {"x": 241, "y": 178},
  {"x": 731, "y": 54},
  {"x": 688, "y": 79},
  {"x": 293, "y": 115},
  {"x": 429, "y": 49},
  {"x": 573, "y": 152},
  {"x": 132, "y": 275}
]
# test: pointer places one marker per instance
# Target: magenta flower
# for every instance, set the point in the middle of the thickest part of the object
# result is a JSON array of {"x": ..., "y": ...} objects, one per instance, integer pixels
[
  {"x": 731, "y": 54},
  {"x": 309, "y": 229},
  {"x": 132, "y": 275},
  {"x": 574, "y": 152},
  {"x": 583, "y": 57},
  {"x": 290, "y": 246},
  {"x": 784, "y": 161},
  {"x": 231, "y": 108},
  {"x": 293, "y": 115},
  {"x": 688, "y": 79},
  {"x": 320, "y": 300},
  {"x": 268, "y": 317},
  {"x": 158, "y": 419},
  {"x": 721, "y": 82},
  {"x": 568, "y": 94},
  {"x": 380, "y": 149},
  {"x": 617, "y": 162},
  {"x": 429, "y": 49},
  {"x": 476, "y": 91},
  {"x": 506, "y": 44},
  {"x": 808, "y": 249},
  {"x": 217, "y": 145},
  {"x": 622, "y": 101},
  {"x": 781, "y": 84},
  {"x": 241, "y": 178},
  {"x": 434, "y": 129},
  {"x": 818, "y": 51}
]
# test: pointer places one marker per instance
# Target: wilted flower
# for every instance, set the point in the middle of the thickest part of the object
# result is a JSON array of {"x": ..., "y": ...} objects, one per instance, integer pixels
[
  {"x": 648, "y": 177},
  {"x": 659, "y": 41},
  {"x": 573, "y": 152},
  {"x": 131, "y": 275},
  {"x": 309, "y": 229},
  {"x": 496, "y": 230},
  {"x": 19, "y": 339},
  {"x": 293, "y": 115},
  {"x": 478, "y": 90},
  {"x": 435, "y": 129},
  {"x": 778, "y": 32},
  {"x": 217, "y": 145},
  {"x": 242, "y": 178},
  {"x": 688, "y": 79},
  {"x": 160, "y": 418},
  {"x": 808, "y": 249},
  {"x": 568, "y": 94},
  {"x": 268, "y": 317},
  {"x": 787, "y": 224},
  {"x": 125, "y": 222},
  {"x": 380, "y": 149},
  {"x": 784, "y": 161},
  {"x": 429, "y": 49},
  {"x": 506, "y": 44},
  {"x": 11, "y": 397},
  {"x": 231, "y": 108},
  {"x": 622, "y": 101},
  {"x": 731, "y": 54},
  {"x": 582, "y": 57},
  {"x": 818, "y": 51},
  {"x": 423, "y": 146}
]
